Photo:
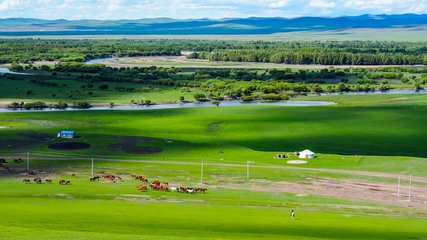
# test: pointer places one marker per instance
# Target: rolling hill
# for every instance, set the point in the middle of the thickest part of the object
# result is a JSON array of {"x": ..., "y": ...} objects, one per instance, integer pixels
[{"x": 254, "y": 25}]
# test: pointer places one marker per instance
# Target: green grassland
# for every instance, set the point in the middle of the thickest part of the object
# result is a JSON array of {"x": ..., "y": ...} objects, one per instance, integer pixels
[
  {"x": 388, "y": 34},
  {"x": 70, "y": 91},
  {"x": 102, "y": 210},
  {"x": 242, "y": 133},
  {"x": 373, "y": 133}
]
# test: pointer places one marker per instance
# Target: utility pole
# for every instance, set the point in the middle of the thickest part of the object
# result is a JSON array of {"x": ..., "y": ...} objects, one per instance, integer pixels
[
  {"x": 398, "y": 186},
  {"x": 28, "y": 161},
  {"x": 91, "y": 172},
  {"x": 247, "y": 170},
  {"x": 410, "y": 185},
  {"x": 201, "y": 172}
]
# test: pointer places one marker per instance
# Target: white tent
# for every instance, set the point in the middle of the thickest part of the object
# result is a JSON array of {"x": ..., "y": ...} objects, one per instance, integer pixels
[{"x": 306, "y": 154}]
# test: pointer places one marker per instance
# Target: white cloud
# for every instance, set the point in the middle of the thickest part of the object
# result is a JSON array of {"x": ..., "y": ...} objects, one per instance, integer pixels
[
  {"x": 7, "y": 5},
  {"x": 321, "y": 4},
  {"x": 279, "y": 4},
  {"x": 388, "y": 6},
  {"x": 134, "y": 9}
]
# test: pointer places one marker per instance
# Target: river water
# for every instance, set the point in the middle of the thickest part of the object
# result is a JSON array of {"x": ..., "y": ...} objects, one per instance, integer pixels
[
  {"x": 227, "y": 103},
  {"x": 6, "y": 70}
]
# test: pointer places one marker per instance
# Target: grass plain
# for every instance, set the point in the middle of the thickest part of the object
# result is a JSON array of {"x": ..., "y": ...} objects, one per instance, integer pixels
[{"x": 369, "y": 139}]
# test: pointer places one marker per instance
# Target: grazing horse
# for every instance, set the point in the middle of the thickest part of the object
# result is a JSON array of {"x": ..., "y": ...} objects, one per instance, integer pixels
[
  {"x": 73, "y": 175},
  {"x": 38, "y": 180},
  {"x": 144, "y": 180},
  {"x": 203, "y": 190},
  {"x": 190, "y": 190},
  {"x": 63, "y": 182},
  {"x": 48, "y": 180},
  {"x": 165, "y": 183},
  {"x": 142, "y": 188},
  {"x": 110, "y": 178},
  {"x": 96, "y": 178},
  {"x": 156, "y": 183},
  {"x": 26, "y": 180},
  {"x": 19, "y": 160}
]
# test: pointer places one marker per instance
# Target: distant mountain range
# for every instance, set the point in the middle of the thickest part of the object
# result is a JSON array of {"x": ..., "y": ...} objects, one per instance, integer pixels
[{"x": 157, "y": 26}]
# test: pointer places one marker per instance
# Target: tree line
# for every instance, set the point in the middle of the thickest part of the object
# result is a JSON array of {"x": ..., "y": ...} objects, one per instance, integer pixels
[{"x": 310, "y": 52}]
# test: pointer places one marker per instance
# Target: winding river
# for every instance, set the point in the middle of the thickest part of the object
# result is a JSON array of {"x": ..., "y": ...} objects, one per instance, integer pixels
[{"x": 227, "y": 103}]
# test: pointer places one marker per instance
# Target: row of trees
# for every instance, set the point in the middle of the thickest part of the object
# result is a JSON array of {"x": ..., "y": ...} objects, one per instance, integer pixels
[
  {"x": 312, "y": 56},
  {"x": 314, "y": 52}
]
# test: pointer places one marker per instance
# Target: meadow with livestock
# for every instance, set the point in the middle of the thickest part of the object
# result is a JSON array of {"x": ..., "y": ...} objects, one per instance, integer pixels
[{"x": 213, "y": 173}]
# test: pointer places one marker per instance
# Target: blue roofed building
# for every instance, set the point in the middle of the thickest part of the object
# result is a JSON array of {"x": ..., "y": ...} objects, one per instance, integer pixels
[{"x": 67, "y": 134}]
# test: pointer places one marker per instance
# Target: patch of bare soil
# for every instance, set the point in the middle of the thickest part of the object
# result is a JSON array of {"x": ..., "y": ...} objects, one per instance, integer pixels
[
  {"x": 15, "y": 143},
  {"x": 130, "y": 145},
  {"x": 65, "y": 146},
  {"x": 37, "y": 136},
  {"x": 356, "y": 190}
]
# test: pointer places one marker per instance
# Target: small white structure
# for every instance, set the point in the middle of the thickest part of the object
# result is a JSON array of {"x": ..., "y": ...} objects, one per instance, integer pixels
[{"x": 306, "y": 154}]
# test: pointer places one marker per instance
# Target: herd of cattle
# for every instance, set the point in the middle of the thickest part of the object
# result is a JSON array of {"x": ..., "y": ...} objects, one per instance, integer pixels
[{"x": 155, "y": 185}]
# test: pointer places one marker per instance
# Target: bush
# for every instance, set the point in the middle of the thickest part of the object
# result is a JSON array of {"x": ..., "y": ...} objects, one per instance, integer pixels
[
  {"x": 35, "y": 105},
  {"x": 247, "y": 98},
  {"x": 200, "y": 97},
  {"x": 81, "y": 105},
  {"x": 60, "y": 105}
]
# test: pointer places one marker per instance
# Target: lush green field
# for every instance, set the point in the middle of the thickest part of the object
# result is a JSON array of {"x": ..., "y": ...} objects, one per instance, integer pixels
[
  {"x": 384, "y": 131},
  {"x": 102, "y": 210},
  {"x": 390, "y": 130},
  {"x": 16, "y": 90}
]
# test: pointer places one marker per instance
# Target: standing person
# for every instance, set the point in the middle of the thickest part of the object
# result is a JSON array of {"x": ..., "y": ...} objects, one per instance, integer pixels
[{"x": 293, "y": 214}]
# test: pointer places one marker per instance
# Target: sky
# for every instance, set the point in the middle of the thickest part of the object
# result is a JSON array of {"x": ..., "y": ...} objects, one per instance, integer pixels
[{"x": 215, "y": 9}]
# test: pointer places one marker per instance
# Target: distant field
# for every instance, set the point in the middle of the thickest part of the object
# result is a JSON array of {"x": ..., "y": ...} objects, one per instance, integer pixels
[
  {"x": 389, "y": 34},
  {"x": 183, "y": 62}
]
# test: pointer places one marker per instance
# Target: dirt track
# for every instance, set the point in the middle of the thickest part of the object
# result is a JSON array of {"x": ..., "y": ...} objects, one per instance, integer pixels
[{"x": 419, "y": 179}]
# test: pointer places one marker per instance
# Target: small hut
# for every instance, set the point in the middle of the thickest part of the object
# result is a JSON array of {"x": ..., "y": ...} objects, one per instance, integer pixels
[{"x": 69, "y": 134}]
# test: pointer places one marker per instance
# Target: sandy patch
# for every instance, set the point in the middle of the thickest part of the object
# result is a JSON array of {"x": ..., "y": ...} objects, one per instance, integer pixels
[
  {"x": 356, "y": 190},
  {"x": 297, "y": 162}
]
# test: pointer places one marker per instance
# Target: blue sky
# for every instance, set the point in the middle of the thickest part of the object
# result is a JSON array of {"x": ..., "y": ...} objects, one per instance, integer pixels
[{"x": 183, "y": 9}]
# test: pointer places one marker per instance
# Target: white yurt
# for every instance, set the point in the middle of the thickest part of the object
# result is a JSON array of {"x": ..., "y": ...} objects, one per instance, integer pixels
[{"x": 306, "y": 154}]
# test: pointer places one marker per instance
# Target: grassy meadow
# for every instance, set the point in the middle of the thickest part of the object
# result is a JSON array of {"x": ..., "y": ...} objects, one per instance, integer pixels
[{"x": 369, "y": 139}]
